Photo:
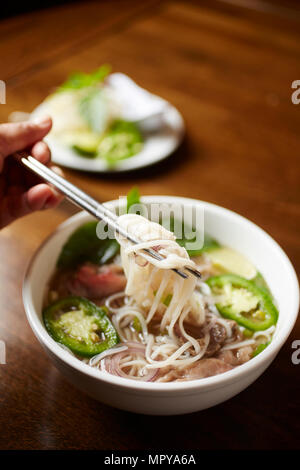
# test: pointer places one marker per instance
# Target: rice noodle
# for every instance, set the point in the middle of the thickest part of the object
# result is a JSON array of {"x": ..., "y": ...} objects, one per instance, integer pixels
[
  {"x": 156, "y": 282},
  {"x": 129, "y": 312},
  {"x": 109, "y": 352},
  {"x": 112, "y": 298},
  {"x": 150, "y": 314},
  {"x": 115, "y": 361},
  {"x": 239, "y": 344},
  {"x": 265, "y": 333}
]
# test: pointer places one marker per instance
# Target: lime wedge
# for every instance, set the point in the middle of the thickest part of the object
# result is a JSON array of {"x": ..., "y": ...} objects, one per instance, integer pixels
[
  {"x": 84, "y": 142},
  {"x": 232, "y": 261}
]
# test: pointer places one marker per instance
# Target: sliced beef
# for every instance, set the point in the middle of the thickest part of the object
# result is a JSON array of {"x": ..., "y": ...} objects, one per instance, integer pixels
[
  {"x": 216, "y": 331},
  {"x": 217, "y": 338},
  {"x": 236, "y": 357},
  {"x": 206, "y": 368},
  {"x": 236, "y": 334},
  {"x": 97, "y": 282},
  {"x": 201, "y": 369}
]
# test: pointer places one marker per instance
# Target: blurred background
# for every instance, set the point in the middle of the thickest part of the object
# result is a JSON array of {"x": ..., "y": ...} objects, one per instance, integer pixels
[{"x": 228, "y": 67}]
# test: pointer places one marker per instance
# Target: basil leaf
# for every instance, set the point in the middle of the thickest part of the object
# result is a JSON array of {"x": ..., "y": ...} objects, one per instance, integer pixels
[
  {"x": 84, "y": 245},
  {"x": 261, "y": 347},
  {"x": 133, "y": 197},
  {"x": 78, "y": 80}
]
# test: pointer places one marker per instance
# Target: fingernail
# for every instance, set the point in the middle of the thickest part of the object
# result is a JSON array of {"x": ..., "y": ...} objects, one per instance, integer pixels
[
  {"x": 48, "y": 205},
  {"x": 56, "y": 193},
  {"x": 42, "y": 121},
  {"x": 57, "y": 170}
]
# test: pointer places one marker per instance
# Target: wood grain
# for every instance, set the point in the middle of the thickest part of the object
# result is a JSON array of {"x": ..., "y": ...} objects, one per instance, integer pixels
[{"x": 229, "y": 70}]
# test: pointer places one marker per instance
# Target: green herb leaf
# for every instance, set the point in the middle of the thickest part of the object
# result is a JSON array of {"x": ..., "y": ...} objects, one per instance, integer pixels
[
  {"x": 78, "y": 80},
  {"x": 260, "y": 348},
  {"x": 133, "y": 197},
  {"x": 84, "y": 245}
]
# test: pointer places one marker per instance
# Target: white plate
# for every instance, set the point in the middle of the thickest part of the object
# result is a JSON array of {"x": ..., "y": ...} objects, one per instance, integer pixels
[{"x": 157, "y": 146}]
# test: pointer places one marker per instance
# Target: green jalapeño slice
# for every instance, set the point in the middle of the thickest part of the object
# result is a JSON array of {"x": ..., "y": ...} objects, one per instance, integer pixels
[
  {"x": 80, "y": 325},
  {"x": 241, "y": 300}
]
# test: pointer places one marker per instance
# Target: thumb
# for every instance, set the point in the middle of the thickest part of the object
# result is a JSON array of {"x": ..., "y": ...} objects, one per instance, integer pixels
[{"x": 18, "y": 136}]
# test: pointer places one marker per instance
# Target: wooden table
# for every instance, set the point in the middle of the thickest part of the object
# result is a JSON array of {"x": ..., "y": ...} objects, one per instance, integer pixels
[{"x": 229, "y": 70}]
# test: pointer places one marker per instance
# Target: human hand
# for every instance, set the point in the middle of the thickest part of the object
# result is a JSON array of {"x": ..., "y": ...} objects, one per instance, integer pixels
[{"x": 21, "y": 192}]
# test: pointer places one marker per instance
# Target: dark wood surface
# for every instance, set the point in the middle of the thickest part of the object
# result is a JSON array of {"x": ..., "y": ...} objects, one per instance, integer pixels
[{"x": 229, "y": 70}]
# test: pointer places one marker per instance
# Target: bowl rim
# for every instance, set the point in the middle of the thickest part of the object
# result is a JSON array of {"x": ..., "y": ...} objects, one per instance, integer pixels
[{"x": 216, "y": 381}]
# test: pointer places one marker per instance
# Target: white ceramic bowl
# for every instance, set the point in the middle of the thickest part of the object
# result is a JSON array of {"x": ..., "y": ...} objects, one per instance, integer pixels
[{"x": 171, "y": 398}]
